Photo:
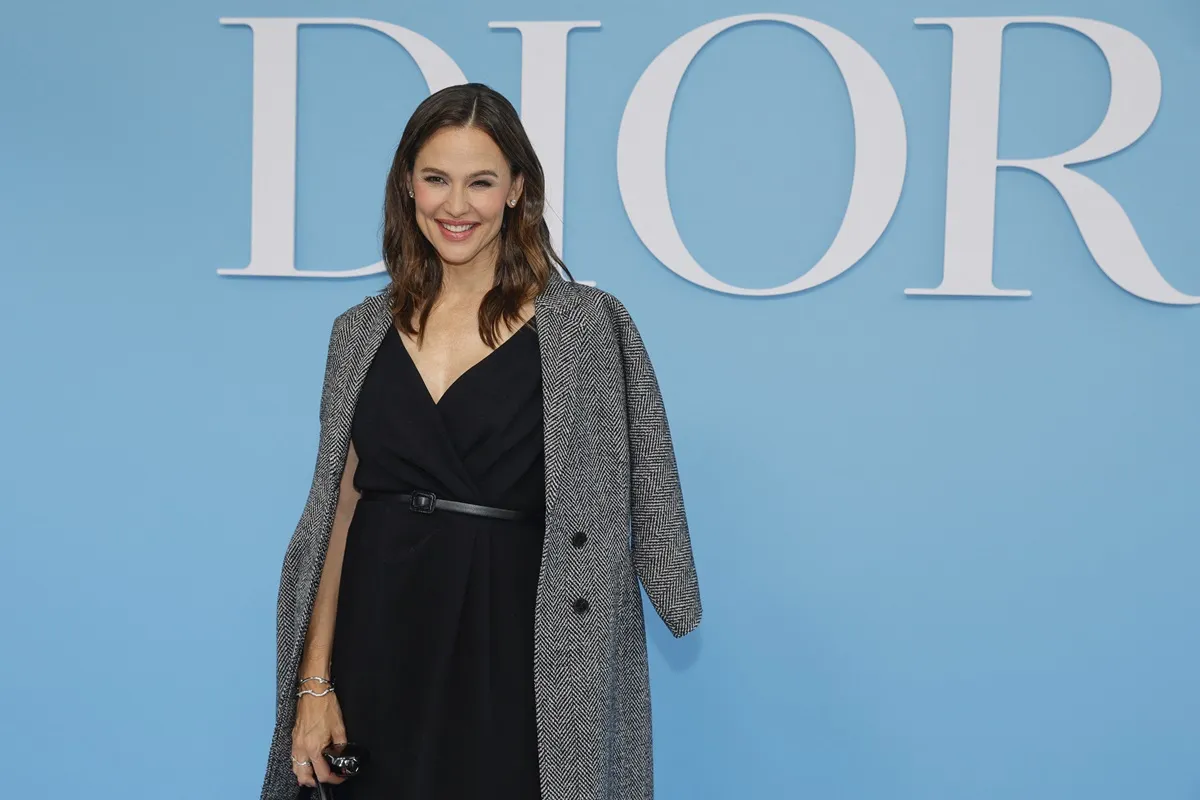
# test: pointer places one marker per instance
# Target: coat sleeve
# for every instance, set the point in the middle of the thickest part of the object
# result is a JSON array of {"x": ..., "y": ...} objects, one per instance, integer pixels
[
  {"x": 297, "y": 570},
  {"x": 296, "y": 585},
  {"x": 662, "y": 548}
]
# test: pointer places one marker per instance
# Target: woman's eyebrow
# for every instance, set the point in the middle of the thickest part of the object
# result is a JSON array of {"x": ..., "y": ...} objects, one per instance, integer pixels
[{"x": 477, "y": 174}]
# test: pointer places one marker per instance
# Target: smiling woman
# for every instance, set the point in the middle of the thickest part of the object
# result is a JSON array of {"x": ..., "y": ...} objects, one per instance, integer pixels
[{"x": 495, "y": 473}]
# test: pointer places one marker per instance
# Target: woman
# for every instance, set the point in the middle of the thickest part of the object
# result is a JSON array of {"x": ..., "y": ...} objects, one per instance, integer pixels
[{"x": 494, "y": 474}]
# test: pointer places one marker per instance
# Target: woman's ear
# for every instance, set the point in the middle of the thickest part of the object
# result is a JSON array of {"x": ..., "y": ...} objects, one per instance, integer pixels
[{"x": 514, "y": 194}]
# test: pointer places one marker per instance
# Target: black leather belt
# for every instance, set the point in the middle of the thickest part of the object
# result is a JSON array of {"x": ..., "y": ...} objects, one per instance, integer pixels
[{"x": 427, "y": 502}]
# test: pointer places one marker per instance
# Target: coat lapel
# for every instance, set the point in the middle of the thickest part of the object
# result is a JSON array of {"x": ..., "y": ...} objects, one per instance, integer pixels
[
  {"x": 553, "y": 308},
  {"x": 367, "y": 330}
]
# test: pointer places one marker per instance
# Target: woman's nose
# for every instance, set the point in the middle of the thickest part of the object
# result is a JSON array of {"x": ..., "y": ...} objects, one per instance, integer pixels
[{"x": 456, "y": 202}]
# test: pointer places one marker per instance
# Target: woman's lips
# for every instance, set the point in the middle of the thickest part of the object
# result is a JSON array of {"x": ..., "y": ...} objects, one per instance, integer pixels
[{"x": 456, "y": 231}]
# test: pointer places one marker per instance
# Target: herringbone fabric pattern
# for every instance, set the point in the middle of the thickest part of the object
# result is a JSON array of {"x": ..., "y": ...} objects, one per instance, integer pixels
[{"x": 610, "y": 474}]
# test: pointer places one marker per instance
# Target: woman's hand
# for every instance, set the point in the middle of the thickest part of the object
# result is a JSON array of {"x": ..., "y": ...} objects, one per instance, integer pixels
[{"x": 318, "y": 724}]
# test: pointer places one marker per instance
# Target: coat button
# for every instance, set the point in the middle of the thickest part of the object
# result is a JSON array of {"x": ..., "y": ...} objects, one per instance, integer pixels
[
  {"x": 579, "y": 539},
  {"x": 581, "y": 606}
]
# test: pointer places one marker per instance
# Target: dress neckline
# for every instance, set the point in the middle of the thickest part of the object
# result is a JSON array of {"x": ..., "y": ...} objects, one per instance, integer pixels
[{"x": 529, "y": 324}]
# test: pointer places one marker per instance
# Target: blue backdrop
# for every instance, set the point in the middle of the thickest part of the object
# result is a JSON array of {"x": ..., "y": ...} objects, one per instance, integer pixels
[{"x": 946, "y": 545}]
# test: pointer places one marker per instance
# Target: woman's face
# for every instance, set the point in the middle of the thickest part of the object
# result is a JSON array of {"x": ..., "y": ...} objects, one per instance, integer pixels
[{"x": 461, "y": 184}]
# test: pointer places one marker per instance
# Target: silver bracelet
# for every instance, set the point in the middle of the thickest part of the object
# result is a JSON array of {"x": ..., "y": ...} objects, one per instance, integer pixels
[
  {"x": 314, "y": 694},
  {"x": 316, "y": 678}
]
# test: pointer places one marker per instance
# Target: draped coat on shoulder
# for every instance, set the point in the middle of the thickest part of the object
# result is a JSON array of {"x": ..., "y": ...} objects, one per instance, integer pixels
[{"x": 611, "y": 475}]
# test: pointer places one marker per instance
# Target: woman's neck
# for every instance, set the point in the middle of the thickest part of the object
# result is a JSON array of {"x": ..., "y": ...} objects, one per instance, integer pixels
[{"x": 468, "y": 281}]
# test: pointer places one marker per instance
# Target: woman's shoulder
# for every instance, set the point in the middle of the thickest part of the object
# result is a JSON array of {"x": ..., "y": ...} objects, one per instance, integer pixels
[
  {"x": 608, "y": 322},
  {"x": 600, "y": 306},
  {"x": 369, "y": 307}
]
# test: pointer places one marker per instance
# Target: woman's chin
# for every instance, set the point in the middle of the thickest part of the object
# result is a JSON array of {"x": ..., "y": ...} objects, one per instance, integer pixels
[
  {"x": 459, "y": 255},
  {"x": 455, "y": 257}
]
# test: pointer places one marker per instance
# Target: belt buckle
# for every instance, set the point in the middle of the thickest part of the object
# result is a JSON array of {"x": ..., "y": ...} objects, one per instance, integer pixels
[{"x": 423, "y": 502}]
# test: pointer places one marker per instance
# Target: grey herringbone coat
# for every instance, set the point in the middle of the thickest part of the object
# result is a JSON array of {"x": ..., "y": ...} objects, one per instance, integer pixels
[{"x": 610, "y": 473}]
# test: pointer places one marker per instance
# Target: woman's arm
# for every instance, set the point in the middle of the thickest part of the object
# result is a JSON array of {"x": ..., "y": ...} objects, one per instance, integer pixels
[
  {"x": 318, "y": 644},
  {"x": 319, "y": 718}
]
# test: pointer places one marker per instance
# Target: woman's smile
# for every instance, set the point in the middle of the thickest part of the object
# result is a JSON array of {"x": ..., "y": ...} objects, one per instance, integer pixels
[{"x": 456, "y": 231}]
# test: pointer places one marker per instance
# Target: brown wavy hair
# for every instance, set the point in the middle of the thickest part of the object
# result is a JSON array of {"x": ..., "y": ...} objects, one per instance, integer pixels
[{"x": 526, "y": 255}]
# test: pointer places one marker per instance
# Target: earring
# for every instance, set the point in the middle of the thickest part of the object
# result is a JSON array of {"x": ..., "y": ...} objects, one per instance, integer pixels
[
  {"x": 410, "y": 193},
  {"x": 512, "y": 203}
]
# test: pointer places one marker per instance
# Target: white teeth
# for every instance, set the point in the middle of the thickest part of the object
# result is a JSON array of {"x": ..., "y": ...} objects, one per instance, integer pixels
[{"x": 457, "y": 228}]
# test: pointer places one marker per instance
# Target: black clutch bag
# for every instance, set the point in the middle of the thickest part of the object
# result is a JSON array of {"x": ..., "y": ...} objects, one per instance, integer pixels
[{"x": 345, "y": 760}]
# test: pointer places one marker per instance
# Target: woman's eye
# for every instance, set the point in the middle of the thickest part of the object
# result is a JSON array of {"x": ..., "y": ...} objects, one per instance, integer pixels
[{"x": 437, "y": 179}]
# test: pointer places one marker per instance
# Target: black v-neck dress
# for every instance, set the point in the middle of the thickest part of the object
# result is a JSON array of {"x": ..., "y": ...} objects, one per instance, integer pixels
[{"x": 433, "y": 644}]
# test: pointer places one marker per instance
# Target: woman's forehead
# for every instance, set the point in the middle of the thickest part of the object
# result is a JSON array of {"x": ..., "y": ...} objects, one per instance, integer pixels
[{"x": 461, "y": 151}]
